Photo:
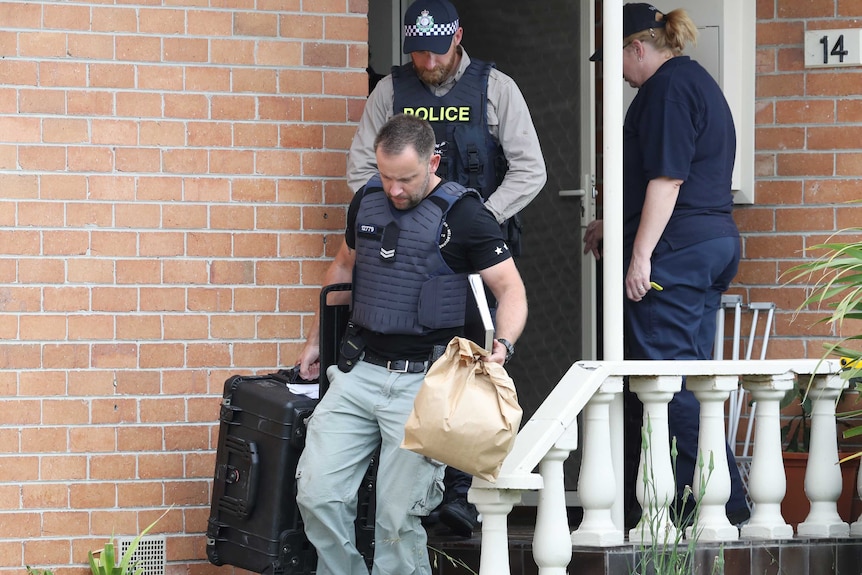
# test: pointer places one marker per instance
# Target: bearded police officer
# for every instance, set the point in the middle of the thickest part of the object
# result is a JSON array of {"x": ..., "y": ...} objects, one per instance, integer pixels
[{"x": 485, "y": 135}]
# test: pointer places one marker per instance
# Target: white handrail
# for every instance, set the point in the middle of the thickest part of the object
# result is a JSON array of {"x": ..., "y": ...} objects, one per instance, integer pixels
[{"x": 551, "y": 434}]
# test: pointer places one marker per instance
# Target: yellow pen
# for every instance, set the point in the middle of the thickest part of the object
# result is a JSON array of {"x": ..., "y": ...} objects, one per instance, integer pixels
[{"x": 656, "y": 286}]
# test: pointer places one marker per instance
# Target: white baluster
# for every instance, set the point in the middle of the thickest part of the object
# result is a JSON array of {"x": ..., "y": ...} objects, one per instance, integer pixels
[
  {"x": 823, "y": 475},
  {"x": 856, "y": 526},
  {"x": 552, "y": 546},
  {"x": 495, "y": 506},
  {"x": 767, "y": 483},
  {"x": 597, "y": 481},
  {"x": 712, "y": 487},
  {"x": 655, "y": 465}
]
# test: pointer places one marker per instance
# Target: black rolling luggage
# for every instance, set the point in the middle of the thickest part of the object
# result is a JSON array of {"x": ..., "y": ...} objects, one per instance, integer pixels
[{"x": 254, "y": 521}]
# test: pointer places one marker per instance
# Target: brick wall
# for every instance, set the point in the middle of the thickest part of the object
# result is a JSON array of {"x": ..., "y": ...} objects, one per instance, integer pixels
[
  {"x": 808, "y": 164},
  {"x": 170, "y": 175}
]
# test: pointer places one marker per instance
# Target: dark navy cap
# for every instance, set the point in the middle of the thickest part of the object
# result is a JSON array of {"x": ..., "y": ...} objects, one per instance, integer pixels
[
  {"x": 429, "y": 26},
  {"x": 636, "y": 18}
]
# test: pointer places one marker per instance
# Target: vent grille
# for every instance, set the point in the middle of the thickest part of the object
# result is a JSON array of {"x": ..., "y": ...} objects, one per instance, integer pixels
[{"x": 149, "y": 556}]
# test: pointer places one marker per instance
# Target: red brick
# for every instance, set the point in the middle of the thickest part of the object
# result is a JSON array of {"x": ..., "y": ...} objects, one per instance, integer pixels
[
  {"x": 91, "y": 495},
  {"x": 138, "y": 327},
  {"x": 215, "y": 134},
  {"x": 41, "y": 159},
  {"x": 277, "y": 163},
  {"x": 186, "y": 106},
  {"x": 41, "y": 327},
  {"x": 41, "y": 101},
  {"x": 113, "y": 19},
  {"x": 117, "y": 76},
  {"x": 138, "y": 48},
  {"x": 162, "y": 78},
  {"x": 233, "y": 107},
  {"x": 64, "y": 131},
  {"x": 280, "y": 108},
  {"x": 210, "y": 299},
  {"x": 162, "y": 299},
  {"x": 139, "y": 438},
  {"x": 185, "y": 50},
  {"x": 255, "y": 190},
  {"x": 280, "y": 53},
  {"x": 802, "y": 164},
  {"x": 831, "y": 191},
  {"x": 139, "y": 104},
  {"x": 256, "y": 299},
  {"x": 301, "y": 136},
  {"x": 306, "y": 27},
  {"x": 209, "y": 244},
  {"x": 236, "y": 52},
  {"x": 255, "y": 24},
  {"x": 804, "y": 219},
  {"x": 91, "y": 46},
  {"x": 161, "y": 21},
  {"x": 62, "y": 74},
  {"x": 232, "y": 272},
  {"x": 207, "y": 79},
  {"x": 163, "y": 189},
  {"x": 238, "y": 162},
  {"x": 41, "y": 44},
  {"x": 185, "y": 327},
  {"x": 114, "y": 410},
  {"x": 115, "y": 356},
  {"x": 780, "y": 85}
]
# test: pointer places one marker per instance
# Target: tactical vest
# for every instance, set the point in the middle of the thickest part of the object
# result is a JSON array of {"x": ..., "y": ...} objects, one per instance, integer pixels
[
  {"x": 469, "y": 154},
  {"x": 401, "y": 283}
]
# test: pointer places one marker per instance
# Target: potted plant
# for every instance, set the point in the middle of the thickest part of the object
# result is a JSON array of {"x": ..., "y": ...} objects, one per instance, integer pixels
[{"x": 836, "y": 277}]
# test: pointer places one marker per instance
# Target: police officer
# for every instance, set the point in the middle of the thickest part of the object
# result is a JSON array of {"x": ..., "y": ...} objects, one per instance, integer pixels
[
  {"x": 391, "y": 253},
  {"x": 485, "y": 137}
]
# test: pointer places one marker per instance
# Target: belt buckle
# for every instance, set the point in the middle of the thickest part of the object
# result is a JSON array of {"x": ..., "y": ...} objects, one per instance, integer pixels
[{"x": 392, "y": 369}]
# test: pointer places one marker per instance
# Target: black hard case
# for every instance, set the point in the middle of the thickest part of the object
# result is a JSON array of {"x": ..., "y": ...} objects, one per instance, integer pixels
[{"x": 254, "y": 522}]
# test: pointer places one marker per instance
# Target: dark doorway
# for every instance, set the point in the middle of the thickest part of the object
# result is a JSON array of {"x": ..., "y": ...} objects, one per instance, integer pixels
[{"x": 535, "y": 43}]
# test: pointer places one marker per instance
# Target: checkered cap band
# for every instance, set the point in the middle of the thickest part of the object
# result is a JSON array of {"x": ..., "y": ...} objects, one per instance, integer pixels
[{"x": 436, "y": 30}]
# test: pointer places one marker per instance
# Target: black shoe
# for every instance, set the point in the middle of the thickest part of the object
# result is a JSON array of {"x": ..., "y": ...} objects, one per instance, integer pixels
[
  {"x": 432, "y": 518},
  {"x": 460, "y": 516},
  {"x": 739, "y": 517}
]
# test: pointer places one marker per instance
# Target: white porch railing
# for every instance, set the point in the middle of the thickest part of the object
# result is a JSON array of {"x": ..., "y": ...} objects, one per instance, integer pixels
[{"x": 545, "y": 441}]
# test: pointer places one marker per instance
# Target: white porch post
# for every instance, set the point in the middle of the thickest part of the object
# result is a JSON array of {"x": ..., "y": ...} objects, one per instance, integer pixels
[
  {"x": 767, "y": 482},
  {"x": 713, "y": 489},
  {"x": 823, "y": 475}
]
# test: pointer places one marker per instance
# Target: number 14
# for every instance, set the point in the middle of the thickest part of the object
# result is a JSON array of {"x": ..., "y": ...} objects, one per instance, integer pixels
[{"x": 837, "y": 49}]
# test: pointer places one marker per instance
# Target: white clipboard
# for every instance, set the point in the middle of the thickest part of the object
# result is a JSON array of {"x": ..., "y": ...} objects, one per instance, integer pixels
[{"x": 478, "y": 288}]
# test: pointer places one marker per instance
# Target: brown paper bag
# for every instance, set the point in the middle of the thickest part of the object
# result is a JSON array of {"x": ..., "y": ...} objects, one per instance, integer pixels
[{"x": 466, "y": 413}]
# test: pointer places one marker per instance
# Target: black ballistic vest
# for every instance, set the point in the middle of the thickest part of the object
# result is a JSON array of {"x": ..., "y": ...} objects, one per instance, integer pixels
[{"x": 401, "y": 283}]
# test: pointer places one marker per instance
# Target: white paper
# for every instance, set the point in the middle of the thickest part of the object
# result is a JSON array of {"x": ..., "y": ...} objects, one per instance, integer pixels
[
  {"x": 478, "y": 288},
  {"x": 311, "y": 390}
]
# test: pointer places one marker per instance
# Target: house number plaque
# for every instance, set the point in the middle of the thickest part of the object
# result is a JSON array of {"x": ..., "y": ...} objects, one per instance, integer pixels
[{"x": 830, "y": 48}]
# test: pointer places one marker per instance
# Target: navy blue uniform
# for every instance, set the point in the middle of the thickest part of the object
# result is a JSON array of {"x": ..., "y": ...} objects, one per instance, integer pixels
[{"x": 679, "y": 126}]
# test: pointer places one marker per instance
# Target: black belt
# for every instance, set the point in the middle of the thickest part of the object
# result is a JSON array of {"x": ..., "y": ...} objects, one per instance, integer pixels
[{"x": 396, "y": 365}]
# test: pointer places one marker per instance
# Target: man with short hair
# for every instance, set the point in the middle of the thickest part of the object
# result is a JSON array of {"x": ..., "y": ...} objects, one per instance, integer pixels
[{"x": 407, "y": 229}]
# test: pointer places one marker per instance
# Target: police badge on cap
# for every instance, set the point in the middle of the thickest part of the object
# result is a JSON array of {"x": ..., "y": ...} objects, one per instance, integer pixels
[{"x": 429, "y": 26}]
